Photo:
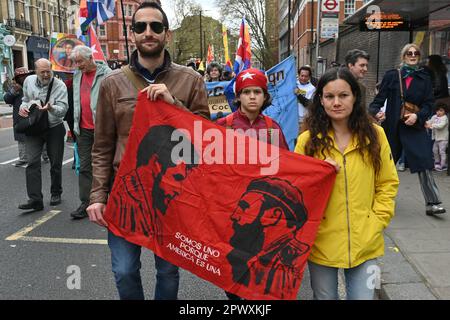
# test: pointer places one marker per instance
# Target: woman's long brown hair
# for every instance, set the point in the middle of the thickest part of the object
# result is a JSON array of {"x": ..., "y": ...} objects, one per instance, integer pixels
[{"x": 360, "y": 123}]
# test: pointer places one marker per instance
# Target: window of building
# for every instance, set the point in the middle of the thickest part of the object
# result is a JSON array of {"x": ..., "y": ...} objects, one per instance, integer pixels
[
  {"x": 349, "y": 7},
  {"x": 130, "y": 10},
  {"x": 124, "y": 31},
  {"x": 102, "y": 30},
  {"x": 105, "y": 50},
  {"x": 27, "y": 10},
  {"x": 11, "y": 9},
  {"x": 41, "y": 18},
  {"x": 124, "y": 50},
  {"x": 53, "y": 16}
]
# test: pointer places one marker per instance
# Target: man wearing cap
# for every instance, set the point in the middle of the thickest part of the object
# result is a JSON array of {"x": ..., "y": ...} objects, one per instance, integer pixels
[
  {"x": 14, "y": 97},
  {"x": 252, "y": 98},
  {"x": 266, "y": 221}
]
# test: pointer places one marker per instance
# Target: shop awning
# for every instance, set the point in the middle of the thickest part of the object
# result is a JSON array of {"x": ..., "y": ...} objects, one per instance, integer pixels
[{"x": 420, "y": 13}]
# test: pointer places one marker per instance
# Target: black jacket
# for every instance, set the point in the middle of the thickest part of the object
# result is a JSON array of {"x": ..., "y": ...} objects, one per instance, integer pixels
[{"x": 414, "y": 140}]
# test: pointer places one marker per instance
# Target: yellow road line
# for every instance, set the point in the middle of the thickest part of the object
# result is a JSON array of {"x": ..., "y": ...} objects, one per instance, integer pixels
[
  {"x": 64, "y": 240},
  {"x": 22, "y": 232}
]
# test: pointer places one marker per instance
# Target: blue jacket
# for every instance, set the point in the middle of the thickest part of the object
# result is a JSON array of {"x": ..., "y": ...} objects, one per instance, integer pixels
[
  {"x": 413, "y": 140},
  {"x": 102, "y": 71}
]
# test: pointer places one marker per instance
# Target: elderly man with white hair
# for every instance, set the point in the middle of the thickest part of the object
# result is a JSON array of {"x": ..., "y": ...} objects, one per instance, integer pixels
[
  {"x": 35, "y": 89},
  {"x": 86, "y": 84}
]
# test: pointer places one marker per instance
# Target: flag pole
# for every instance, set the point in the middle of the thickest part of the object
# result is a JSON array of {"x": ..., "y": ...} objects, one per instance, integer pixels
[{"x": 125, "y": 31}]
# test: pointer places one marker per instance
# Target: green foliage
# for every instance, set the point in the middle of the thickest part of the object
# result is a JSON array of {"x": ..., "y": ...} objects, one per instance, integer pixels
[{"x": 185, "y": 43}]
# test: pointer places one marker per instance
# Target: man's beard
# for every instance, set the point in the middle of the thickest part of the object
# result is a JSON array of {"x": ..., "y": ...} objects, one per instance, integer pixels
[
  {"x": 247, "y": 241},
  {"x": 44, "y": 82},
  {"x": 150, "y": 53}
]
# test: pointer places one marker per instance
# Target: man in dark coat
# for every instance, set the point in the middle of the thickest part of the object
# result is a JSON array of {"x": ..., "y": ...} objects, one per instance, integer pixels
[{"x": 14, "y": 97}]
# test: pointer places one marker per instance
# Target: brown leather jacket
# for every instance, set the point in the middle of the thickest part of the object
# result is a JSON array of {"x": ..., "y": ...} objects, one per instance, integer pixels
[{"x": 114, "y": 116}]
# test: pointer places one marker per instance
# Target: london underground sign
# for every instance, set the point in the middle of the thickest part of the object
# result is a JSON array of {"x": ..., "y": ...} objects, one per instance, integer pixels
[{"x": 330, "y": 6}]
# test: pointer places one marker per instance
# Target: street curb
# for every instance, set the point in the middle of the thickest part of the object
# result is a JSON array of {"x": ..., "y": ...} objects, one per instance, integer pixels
[{"x": 383, "y": 293}]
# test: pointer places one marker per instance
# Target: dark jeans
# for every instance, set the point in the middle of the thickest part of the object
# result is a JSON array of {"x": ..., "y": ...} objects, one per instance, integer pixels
[
  {"x": 55, "y": 150},
  {"x": 126, "y": 265},
  {"x": 85, "y": 141}
]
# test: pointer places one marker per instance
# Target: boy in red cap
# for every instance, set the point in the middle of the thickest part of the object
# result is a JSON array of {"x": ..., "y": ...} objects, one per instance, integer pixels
[{"x": 252, "y": 98}]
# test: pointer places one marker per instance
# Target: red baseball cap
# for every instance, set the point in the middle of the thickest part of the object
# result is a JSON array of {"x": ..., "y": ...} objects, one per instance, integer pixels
[{"x": 251, "y": 78}]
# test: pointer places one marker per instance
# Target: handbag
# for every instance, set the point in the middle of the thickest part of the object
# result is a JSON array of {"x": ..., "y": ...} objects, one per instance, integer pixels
[
  {"x": 406, "y": 107},
  {"x": 37, "y": 121}
]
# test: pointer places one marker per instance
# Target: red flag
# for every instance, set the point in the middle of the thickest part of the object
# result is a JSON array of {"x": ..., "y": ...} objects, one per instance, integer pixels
[
  {"x": 243, "y": 59},
  {"x": 210, "y": 57},
  {"x": 195, "y": 194},
  {"x": 97, "y": 51}
]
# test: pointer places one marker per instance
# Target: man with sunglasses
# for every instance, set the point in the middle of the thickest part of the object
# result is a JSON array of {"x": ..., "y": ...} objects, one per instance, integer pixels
[{"x": 151, "y": 71}]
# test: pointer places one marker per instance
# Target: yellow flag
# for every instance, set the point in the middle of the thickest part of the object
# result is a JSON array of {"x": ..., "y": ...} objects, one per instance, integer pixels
[
  {"x": 201, "y": 66},
  {"x": 225, "y": 45}
]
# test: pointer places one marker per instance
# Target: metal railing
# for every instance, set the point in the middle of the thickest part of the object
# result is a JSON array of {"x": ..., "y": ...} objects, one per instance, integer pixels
[{"x": 20, "y": 24}]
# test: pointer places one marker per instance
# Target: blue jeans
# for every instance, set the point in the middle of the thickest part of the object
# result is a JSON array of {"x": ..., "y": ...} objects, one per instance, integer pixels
[
  {"x": 126, "y": 266},
  {"x": 359, "y": 281}
]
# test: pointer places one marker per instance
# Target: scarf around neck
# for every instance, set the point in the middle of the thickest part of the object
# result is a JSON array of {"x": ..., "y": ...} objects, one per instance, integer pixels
[{"x": 409, "y": 70}]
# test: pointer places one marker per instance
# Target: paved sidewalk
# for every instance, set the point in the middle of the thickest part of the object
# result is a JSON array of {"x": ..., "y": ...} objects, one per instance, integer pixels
[
  {"x": 6, "y": 120},
  {"x": 416, "y": 264},
  {"x": 5, "y": 110}
]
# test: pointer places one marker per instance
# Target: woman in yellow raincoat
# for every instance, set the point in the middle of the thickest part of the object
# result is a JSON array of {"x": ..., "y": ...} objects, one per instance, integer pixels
[{"x": 362, "y": 202}]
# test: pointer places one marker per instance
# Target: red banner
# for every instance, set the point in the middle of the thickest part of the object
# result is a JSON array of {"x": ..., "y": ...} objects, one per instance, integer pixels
[{"x": 197, "y": 195}]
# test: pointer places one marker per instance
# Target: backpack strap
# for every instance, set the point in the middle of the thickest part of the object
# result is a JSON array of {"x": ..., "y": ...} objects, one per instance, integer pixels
[
  {"x": 137, "y": 81},
  {"x": 269, "y": 124}
]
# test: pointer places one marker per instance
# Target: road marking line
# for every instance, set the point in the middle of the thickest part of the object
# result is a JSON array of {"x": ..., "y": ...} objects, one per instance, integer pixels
[
  {"x": 9, "y": 161},
  {"x": 64, "y": 240},
  {"x": 67, "y": 161},
  {"x": 22, "y": 232}
]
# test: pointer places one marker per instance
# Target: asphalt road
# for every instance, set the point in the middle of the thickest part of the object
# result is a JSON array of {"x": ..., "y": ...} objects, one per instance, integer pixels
[{"x": 38, "y": 262}]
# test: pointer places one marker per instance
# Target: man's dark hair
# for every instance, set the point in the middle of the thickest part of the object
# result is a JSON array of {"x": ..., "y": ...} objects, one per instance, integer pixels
[
  {"x": 352, "y": 56},
  {"x": 305, "y": 68},
  {"x": 154, "y": 5},
  {"x": 158, "y": 141}
]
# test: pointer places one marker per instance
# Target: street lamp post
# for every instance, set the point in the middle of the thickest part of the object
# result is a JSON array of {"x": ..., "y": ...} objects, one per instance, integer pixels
[
  {"x": 201, "y": 37},
  {"x": 319, "y": 7}
]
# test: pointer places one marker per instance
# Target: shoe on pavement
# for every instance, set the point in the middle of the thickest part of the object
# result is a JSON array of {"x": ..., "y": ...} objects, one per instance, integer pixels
[
  {"x": 20, "y": 163},
  {"x": 55, "y": 200},
  {"x": 80, "y": 213},
  {"x": 435, "y": 209},
  {"x": 401, "y": 167},
  {"x": 32, "y": 205}
]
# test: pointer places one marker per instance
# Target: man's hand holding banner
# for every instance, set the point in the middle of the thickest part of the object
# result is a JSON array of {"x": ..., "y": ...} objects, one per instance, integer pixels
[{"x": 195, "y": 194}]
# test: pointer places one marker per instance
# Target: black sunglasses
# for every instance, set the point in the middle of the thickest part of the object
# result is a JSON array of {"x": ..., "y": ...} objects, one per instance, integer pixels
[
  {"x": 140, "y": 27},
  {"x": 413, "y": 53}
]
